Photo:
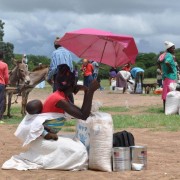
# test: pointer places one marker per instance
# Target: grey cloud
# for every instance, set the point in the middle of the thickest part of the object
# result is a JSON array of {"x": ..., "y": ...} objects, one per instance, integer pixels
[
  {"x": 93, "y": 6},
  {"x": 32, "y": 25}
]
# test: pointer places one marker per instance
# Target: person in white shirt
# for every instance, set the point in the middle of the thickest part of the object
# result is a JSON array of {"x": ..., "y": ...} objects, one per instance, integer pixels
[{"x": 122, "y": 79}]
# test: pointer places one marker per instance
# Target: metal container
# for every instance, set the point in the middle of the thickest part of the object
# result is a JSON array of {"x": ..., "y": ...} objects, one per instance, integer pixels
[
  {"x": 138, "y": 157},
  {"x": 121, "y": 159}
]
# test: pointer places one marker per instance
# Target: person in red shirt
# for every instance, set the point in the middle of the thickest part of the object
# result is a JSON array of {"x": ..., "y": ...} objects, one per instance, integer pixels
[
  {"x": 87, "y": 70},
  {"x": 58, "y": 102},
  {"x": 4, "y": 78}
]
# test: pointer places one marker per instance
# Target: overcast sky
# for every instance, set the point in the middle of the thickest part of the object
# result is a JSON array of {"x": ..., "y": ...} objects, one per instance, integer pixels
[{"x": 33, "y": 25}]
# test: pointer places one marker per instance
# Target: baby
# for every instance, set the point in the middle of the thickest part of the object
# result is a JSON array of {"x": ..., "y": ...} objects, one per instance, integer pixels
[{"x": 50, "y": 126}]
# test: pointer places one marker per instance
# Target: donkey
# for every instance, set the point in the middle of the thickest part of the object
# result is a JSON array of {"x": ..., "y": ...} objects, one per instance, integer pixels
[
  {"x": 38, "y": 75},
  {"x": 18, "y": 77}
]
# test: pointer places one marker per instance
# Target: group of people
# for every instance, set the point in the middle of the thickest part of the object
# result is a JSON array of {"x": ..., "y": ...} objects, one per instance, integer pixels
[
  {"x": 61, "y": 55},
  {"x": 63, "y": 78},
  {"x": 125, "y": 76}
]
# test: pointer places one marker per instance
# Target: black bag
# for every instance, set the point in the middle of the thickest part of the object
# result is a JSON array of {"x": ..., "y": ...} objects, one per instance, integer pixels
[{"x": 123, "y": 139}]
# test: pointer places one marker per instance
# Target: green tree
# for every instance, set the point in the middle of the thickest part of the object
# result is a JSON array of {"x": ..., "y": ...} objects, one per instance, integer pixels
[
  {"x": 1, "y": 30},
  {"x": 148, "y": 62},
  {"x": 33, "y": 60},
  {"x": 6, "y": 48}
]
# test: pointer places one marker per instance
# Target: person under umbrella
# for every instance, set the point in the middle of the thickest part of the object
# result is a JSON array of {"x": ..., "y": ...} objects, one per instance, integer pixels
[
  {"x": 59, "y": 56},
  {"x": 87, "y": 71}
]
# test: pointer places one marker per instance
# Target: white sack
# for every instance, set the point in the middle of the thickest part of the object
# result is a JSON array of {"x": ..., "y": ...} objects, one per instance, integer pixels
[
  {"x": 172, "y": 102},
  {"x": 83, "y": 132},
  {"x": 113, "y": 82},
  {"x": 82, "y": 127},
  {"x": 131, "y": 84},
  {"x": 138, "y": 88},
  {"x": 172, "y": 86},
  {"x": 101, "y": 136}
]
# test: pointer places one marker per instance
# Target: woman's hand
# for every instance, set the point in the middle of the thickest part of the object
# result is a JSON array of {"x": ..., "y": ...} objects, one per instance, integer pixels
[
  {"x": 94, "y": 85},
  {"x": 78, "y": 88},
  {"x": 51, "y": 136}
]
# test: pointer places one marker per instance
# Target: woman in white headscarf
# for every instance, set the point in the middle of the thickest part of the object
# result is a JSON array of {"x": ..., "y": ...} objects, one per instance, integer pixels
[{"x": 168, "y": 66}]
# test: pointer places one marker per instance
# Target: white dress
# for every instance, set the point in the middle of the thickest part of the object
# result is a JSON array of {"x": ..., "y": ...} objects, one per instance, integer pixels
[{"x": 63, "y": 154}]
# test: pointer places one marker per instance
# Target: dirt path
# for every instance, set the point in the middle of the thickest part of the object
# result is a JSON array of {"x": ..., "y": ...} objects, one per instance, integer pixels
[{"x": 163, "y": 147}]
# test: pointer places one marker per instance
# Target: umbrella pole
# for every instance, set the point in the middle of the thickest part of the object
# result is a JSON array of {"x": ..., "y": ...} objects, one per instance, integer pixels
[
  {"x": 103, "y": 51},
  {"x": 98, "y": 79}
]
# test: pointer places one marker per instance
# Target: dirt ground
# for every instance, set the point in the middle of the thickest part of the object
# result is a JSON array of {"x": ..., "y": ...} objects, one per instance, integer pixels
[{"x": 162, "y": 147}]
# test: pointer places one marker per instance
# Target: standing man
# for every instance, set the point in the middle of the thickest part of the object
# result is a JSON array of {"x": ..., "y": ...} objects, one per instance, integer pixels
[
  {"x": 168, "y": 68},
  {"x": 95, "y": 72},
  {"x": 59, "y": 56},
  {"x": 4, "y": 78},
  {"x": 95, "y": 69},
  {"x": 87, "y": 71},
  {"x": 138, "y": 74}
]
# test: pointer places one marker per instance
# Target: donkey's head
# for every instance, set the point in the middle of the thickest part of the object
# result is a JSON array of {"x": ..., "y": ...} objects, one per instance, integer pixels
[
  {"x": 23, "y": 73},
  {"x": 20, "y": 73}
]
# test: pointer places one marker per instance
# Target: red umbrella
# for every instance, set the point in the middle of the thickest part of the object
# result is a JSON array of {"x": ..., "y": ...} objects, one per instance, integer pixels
[{"x": 101, "y": 46}]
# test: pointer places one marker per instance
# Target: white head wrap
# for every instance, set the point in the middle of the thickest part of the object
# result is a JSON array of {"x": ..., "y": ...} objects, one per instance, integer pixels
[{"x": 168, "y": 44}]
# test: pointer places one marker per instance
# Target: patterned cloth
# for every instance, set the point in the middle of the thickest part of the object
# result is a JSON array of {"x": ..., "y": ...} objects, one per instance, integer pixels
[{"x": 55, "y": 124}]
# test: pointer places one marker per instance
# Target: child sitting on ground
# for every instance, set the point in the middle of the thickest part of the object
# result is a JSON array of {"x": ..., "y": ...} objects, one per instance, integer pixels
[{"x": 51, "y": 127}]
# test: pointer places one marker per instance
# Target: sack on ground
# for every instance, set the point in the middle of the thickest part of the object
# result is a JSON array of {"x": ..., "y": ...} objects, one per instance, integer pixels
[
  {"x": 123, "y": 139},
  {"x": 101, "y": 132},
  {"x": 83, "y": 132},
  {"x": 172, "y": 86},
  {"x": 82, "y": 127},
  {"x": 172, "y": 102},
  {"x": 138, "y": 88}
]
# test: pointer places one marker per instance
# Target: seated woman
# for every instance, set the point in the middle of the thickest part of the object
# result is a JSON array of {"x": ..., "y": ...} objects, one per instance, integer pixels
[{"x": 65, "y": 153}]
